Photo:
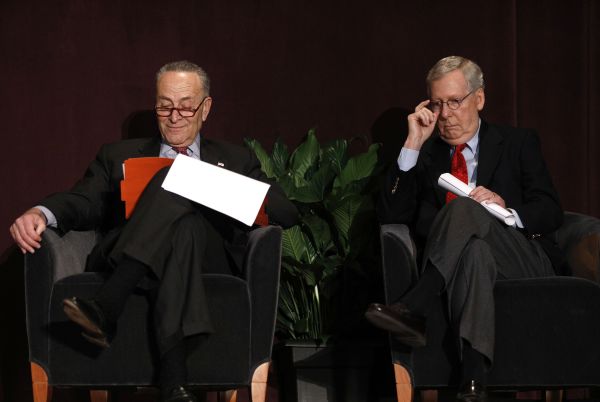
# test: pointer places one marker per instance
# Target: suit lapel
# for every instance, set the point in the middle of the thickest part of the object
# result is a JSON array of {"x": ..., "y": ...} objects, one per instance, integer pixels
[
  {"x": 437, "y": 161},
  {"x": 209, "y": 153},
  {"x": 150, "y": 148},
  {"x": 490, "y": 151}
]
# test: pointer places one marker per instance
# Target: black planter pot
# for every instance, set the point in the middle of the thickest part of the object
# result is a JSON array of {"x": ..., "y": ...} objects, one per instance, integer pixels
[{"x": 340, "y": 372}]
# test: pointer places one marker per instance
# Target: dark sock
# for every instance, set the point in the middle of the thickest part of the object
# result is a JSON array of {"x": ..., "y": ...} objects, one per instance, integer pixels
[
  {"x": 172, "y": 368},
  {"x": 474, "y": 366},
  {"x": 115, "y": 291},
  {"x": 420, "y": 298}
]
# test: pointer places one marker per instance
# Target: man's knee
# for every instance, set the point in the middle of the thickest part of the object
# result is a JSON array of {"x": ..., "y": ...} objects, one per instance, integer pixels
[
  {"x": 190, "y": 226},
  {"x": 477, "y": 259},
  {"x": 465, "y": 209},
  {"x": 158, "y": 178},
  {"x": 461, "y": 204}
]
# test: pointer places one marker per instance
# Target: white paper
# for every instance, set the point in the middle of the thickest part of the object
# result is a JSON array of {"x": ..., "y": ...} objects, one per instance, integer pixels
[
  {"x": 461, "y": 189},
  {"x": 230, "y": 193}
]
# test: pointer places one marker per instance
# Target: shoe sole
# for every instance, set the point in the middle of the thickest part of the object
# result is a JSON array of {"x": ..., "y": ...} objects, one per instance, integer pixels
[
  {"x": 91, "y": 332},
  {"x": 98, "y": 341},
  {"x": 407, "y": 337}
]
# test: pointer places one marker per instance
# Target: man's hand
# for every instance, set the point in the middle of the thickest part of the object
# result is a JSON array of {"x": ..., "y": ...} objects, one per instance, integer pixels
[
  {"x": 420, "y": 126},
  {"x": 27, "y": 230},
  {"x": 481, "y": 194}
]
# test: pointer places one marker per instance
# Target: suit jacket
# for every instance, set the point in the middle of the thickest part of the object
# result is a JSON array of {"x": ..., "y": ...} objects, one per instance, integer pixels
[
  {"x": 94, "y": 202},
  {"x": 510, "y": 163}
]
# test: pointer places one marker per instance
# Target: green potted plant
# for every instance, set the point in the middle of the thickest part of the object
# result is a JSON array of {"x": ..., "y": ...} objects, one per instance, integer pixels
[{"x": 329, "y": 256}]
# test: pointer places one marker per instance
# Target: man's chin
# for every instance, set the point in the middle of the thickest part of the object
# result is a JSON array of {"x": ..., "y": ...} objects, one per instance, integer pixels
[
  {"x": 453, "y": 138},
  {"x": 176, "y": 140}
]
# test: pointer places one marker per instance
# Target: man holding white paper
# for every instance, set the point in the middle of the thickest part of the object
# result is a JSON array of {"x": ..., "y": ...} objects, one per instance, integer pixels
[
  {"x": 169, "y": 240},
  {"x": 464, "y": 248}
]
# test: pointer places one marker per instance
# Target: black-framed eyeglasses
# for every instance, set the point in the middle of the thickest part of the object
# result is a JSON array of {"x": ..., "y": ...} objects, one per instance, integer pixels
[
  {"x": 164, "y": 111},
  {"x": 453, "y": 104}
]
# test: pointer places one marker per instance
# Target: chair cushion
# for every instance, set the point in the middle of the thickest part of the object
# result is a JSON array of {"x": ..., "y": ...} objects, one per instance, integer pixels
[{"x": 554, "y": 327}]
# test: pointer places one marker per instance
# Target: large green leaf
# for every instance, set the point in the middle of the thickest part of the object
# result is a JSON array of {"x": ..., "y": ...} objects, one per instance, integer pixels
[
  {"x": 265, "y": 161},
  {"x": 309, "y": 193},
  {"x": 358, "y": 167},
  {"x": 280, "y": 157},
  {"x": 319, "y": 232},
  {"x": 360, "y": 186},
  {"x": 344, "y": 213},
  {"x": 288, "y": 185},
  {"x": 295, "y": 244},
  {"x": 334, "y": 154},
  {"x": 305, "y": 157}
]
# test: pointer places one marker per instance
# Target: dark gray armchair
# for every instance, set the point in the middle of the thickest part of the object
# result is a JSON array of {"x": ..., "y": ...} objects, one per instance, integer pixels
[
  {"x": 238, "y": 354},
  {"x": 547, "y": 329}
]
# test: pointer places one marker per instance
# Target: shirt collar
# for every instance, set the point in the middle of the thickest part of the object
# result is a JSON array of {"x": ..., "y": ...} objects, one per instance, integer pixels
[
  {"x": 473, "y": 143},
  {"x": 193, "y": 149}
]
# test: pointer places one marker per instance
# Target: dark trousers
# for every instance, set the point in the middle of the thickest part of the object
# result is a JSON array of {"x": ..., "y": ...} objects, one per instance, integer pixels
[
  {"x": 472, "y": 249},
  {"x": 175, "y": 239}
]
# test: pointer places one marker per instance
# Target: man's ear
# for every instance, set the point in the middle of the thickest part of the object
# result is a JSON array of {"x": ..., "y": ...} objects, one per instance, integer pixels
[
  {"x": 480, "y": 98},
  {"x": 206, "y": 108}
]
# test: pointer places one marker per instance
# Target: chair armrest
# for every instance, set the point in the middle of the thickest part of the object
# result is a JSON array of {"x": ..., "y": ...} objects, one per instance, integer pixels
[
  {"x": 262, "y": 266},
  {"x": 57, "y": 258},
  {"x": 399, "y": 260},
  {"x": 574, "y": 227},
  {"x": 579, "y": 238}
]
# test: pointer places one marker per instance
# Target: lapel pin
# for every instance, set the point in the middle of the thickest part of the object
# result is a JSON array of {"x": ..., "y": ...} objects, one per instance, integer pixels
[{"x": 221, "y": 164}]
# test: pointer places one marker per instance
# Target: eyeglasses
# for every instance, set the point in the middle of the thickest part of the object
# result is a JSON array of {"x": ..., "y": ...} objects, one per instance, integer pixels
[
  {"x": 453, "y": 104},
  {"x": 164, "y": 111}
]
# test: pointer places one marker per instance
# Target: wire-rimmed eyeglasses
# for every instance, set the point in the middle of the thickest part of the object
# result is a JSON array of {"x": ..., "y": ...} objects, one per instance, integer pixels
[{"x": 453, "y": 104}]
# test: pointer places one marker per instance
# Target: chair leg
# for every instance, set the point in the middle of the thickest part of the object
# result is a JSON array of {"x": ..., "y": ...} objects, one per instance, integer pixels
[
  {"x": 404, "y": 388},
  {"x": 554, "y": 395},
  {"x": 258, "y": 387},
  {"x": 99, "y": 395},
  {"x": 42, "y": 392},
  {"x": 227, "y": 396},
  {"x": 429, "y": 395}
]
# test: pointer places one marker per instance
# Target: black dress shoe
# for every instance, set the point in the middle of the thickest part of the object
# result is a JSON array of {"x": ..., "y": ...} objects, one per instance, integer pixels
[
  {"x": 472, "y": 391},
  {"x": 89, "y": 316},
  {"x": 179, "y": 394},
  {"x": 407, "y": 327}
]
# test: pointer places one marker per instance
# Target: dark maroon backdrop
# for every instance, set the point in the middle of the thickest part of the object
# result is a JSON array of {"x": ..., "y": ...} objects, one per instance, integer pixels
[{"x": 72, "y": 71}]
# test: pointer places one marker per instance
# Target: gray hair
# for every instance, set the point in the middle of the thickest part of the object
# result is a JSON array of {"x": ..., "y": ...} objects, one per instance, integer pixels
[
  {"x": 186, "y": 67},
  {"x": 469, "y": 68}
]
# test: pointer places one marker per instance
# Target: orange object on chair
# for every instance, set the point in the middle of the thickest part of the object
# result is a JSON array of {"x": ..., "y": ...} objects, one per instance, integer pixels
[{"x": 137, "y": 174}]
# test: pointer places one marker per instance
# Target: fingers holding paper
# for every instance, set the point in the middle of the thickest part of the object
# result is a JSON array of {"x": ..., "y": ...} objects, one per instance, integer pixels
[
  {"x": 482, "y": 194},
  {"x": 421, "y": 124}
]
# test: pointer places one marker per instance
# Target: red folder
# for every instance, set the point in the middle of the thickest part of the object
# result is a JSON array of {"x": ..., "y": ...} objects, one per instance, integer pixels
[
  {"x": 139, "y": 171},
  {"x": 137, "y": 174}
]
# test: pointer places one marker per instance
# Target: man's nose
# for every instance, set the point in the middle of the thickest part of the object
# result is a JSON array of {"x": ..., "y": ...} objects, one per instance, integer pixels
[
  {"x": 445, "y": 110},
  {"x": 175, "y": 116}
]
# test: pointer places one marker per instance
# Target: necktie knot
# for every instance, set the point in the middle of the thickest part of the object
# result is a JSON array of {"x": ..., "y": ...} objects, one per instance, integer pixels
[
  {"x": 181, "y": 150},
  {"x": 460, "y": 147}
]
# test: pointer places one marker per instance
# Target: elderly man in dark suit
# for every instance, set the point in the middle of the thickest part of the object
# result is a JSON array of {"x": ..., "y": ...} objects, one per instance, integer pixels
[
  {"x": 464, "y": 249},
  {"x": 168, "y": 240}
]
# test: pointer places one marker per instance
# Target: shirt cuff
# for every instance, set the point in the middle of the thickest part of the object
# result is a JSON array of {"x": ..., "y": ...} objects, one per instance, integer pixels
[
  {"x": 518, "y": 221},
  {"x": 50, "y": 218},
  {"x": 407, "y": 159}
]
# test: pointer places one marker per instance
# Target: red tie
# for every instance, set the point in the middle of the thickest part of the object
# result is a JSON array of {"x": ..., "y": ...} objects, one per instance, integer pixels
[
  {"x": 181, "y": 150},
  {"x": 458, "y": 168}
]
